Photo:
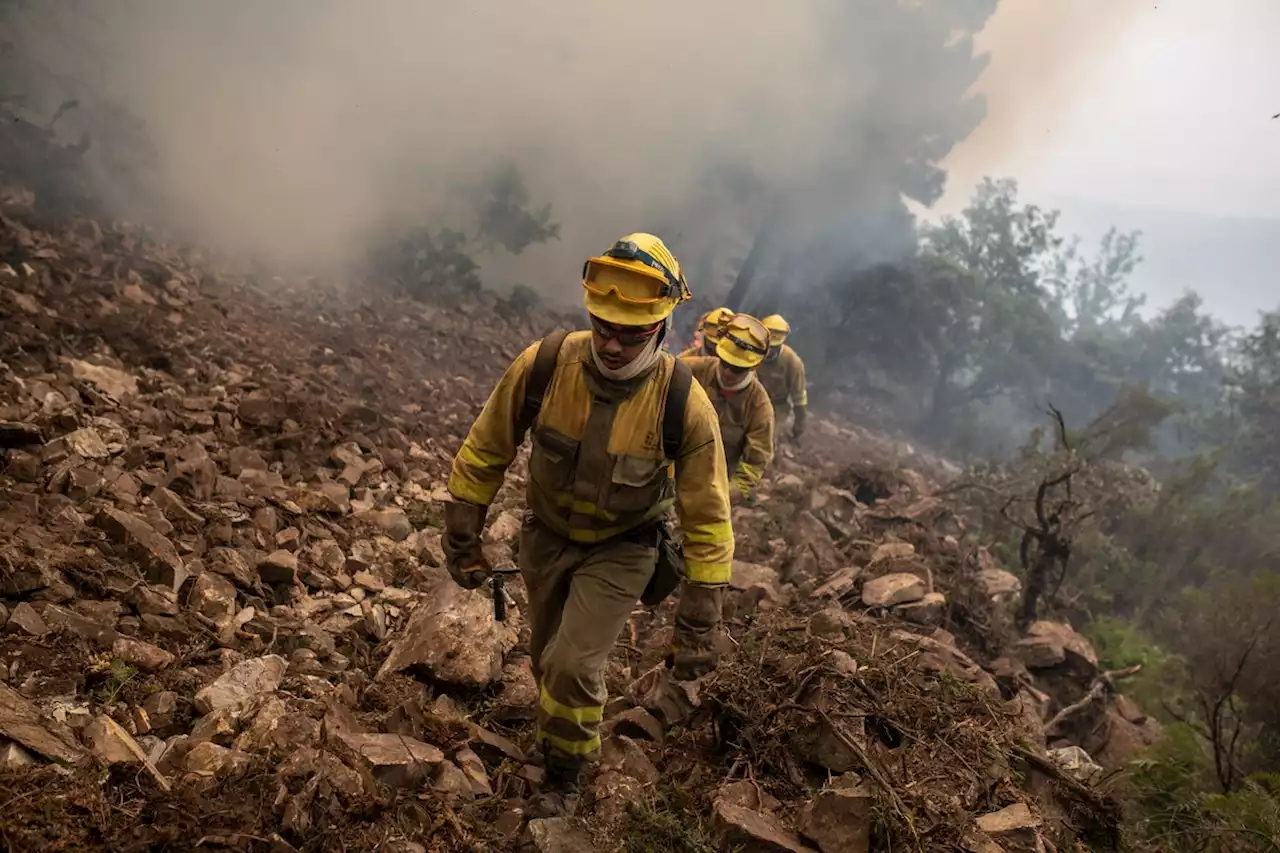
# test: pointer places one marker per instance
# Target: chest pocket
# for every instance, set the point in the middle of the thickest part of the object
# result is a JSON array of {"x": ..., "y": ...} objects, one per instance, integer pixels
[
  {"x": 553, "y": 460},
  {"x": 637, "y": 483}
]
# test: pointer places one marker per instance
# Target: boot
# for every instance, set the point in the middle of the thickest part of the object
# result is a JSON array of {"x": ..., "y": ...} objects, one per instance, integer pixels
[{"x": 561, "y": 788}]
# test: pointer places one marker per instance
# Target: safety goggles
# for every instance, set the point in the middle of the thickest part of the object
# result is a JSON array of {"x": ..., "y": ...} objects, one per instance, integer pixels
[
  {"x": 628, "y": 284},
  {"x": 623, "y": 334},
  {"x": 743, "y": 323}
]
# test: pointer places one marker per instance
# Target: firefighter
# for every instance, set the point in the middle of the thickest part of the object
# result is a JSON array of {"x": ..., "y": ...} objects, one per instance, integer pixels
[
  {"x": 708, "y": 333},
  {"x": 782, "y": 375},
  {"x": 741, "y": 403},
  {"x": 609, "y": 459}
]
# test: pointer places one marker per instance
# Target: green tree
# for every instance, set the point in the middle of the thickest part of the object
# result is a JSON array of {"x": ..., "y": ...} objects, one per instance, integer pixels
[
  {"x": 995, "y": 334},
  {"x": 1254, "y": 399}
]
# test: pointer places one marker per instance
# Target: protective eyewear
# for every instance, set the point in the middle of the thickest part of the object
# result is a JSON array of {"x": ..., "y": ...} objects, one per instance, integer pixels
[
  {"x": 622, "y": 334},
  {"x": 743, "y": 323},
  {"x": 603, "y": 278}
]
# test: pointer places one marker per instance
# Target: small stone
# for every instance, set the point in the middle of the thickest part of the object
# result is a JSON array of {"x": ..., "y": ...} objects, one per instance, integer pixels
[
  {"x": 368, "y": 581},
  {"x": 448, "y": 778},
  {"x": 24, "y": 619},
  {"x": 838, "y": 820},
  {"x": 220, "y": 727},
  {"x": 929, "y": 610},
  {"x": 888, "y": 552},
  {"x": 14, "y": 755},
  {"x": 155, "y": 551},
  {"x": 559, "y": 835},
  {"x": 504, "y": 528},
  {"x": 473, "y": 767},
  {"x": 279, "y": 567},
  {"x": 997, "y": 583},
  {"x": 1014, "y": 828},
  {"x": 110, "y": 743},
  {"x": 1076, "y": 763},
  {"x": 749, "y": 831},
  {"x": 327, "y": 556},
  {"x": 243, "y": 684},
  {"x": 86, "y": 443},
  {"x": 214, "y": 596},
  {"x": 891, "y": 589},
  {"x": 174, "y": 508},
  {"x": 393, "y": 522},
  {"x": 144, "y": 656},
  {"x": 241, "y": 458},
  {"x": 623, "y": 754},
  {"x": 209, "y": 759}
]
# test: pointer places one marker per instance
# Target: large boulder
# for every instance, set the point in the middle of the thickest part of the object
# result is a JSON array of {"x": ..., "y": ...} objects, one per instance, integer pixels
[{"x": 453, "y": 636}]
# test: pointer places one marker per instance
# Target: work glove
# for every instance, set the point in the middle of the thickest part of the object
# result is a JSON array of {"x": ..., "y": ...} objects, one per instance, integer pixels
[
  {"x": 797, "y": 428},
  {"x": 463, "y": 557},
  {"x": 697, "y": 622}
]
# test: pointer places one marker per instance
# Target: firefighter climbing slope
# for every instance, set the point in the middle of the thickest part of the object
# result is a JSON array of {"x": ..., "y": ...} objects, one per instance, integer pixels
[
  {"x": 741, "y": 403},
  {"x": 708, "y": 333},
  {"x": 782, "y": 375},
  {"x": 608, "y": 412}
]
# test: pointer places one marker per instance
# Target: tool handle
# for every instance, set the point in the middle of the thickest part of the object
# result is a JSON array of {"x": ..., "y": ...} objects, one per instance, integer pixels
[{"x": 499, "y": 599}]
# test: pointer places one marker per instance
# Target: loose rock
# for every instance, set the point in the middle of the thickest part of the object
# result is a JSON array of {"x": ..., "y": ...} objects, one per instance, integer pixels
[
  {"x": 892, "y": 589},
  {"x": 243, "y": 684}
]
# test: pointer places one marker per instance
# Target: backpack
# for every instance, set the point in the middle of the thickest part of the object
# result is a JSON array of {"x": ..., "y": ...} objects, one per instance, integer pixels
[{"x": 544, "y": 366}]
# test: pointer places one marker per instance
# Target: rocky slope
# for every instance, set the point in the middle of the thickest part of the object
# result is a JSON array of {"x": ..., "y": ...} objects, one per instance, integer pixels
[{"x": 225, "y": 619}]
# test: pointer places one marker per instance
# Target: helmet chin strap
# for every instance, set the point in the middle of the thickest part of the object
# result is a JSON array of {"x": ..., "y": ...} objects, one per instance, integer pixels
[{"x": 647, "y": 358}]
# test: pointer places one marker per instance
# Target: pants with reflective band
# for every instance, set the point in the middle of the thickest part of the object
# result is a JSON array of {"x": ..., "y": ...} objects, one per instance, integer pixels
[{"x": 580, "y": 597}]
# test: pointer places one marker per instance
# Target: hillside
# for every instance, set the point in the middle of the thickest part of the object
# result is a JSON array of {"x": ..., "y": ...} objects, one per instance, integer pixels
[{"x": 226, "y": 624}]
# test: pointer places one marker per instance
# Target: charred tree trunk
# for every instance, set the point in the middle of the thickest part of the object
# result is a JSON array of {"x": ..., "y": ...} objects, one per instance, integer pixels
[{"x": 742, "y": 284}]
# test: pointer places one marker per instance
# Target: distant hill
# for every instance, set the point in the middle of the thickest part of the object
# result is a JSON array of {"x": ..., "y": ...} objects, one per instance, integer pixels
[{"x": 1231, "y": 262}]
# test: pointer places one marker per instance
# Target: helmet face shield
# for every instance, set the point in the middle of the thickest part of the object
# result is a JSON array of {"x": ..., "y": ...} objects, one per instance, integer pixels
[
  {"x": 625, "y": 283},
  {"x": 636, "y": 282},
  {"x": 744, "y": 342}
]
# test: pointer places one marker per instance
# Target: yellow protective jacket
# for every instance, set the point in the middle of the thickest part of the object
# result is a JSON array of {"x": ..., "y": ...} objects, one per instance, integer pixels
[
  {"x": 597, "y": 468},
  {"x": 746, "y": 424},
  {"x": 783, "y": 378}
]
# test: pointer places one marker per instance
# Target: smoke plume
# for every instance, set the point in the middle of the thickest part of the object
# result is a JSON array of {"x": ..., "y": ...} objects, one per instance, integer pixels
[{"x": 295, "y": 129}]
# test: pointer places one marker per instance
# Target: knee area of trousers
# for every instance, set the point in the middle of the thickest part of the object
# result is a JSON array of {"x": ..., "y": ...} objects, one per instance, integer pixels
[{"x": 565, "y": 665}]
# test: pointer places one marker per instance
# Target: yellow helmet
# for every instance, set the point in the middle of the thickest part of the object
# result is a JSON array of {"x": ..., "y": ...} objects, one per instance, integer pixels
[
  {"x": 778, "y": 329},
  {"x": 637, "y": 282},
  {"x": 712, "y": 323},
  {"x": 744, "y": 341}
]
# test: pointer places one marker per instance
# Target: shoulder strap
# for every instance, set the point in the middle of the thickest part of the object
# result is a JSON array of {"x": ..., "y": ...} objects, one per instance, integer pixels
[
  {"x": 535, "y": 388},
  {"x": 673, "y": 411}
]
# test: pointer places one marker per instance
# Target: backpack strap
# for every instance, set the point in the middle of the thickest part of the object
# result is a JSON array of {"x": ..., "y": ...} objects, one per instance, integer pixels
[
  {"x": 673, "y": 411},
  {"x": 535, "y": 388}
]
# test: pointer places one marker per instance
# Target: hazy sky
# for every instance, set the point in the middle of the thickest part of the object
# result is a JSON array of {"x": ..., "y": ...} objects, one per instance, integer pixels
[{"x": 1158, "y": 103}]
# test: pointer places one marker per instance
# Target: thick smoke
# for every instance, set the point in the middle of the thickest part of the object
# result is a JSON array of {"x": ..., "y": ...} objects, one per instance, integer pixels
[{"x": 295, "y": 129}]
